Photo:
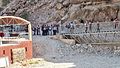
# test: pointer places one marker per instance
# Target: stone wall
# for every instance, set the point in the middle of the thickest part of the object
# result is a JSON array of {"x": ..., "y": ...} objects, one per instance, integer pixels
[{"x": 18, "y": 54}]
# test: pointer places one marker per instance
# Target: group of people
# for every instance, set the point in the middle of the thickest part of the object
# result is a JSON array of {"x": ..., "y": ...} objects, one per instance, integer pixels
[
  {"x": 46, "y": 29},
  {"x": 53, "y": 29},
  {"x": 88, "y": 25},
  {"x": 71, "y": 26}
]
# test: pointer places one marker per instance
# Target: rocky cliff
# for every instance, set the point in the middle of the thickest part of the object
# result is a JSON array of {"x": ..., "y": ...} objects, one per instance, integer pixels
[
  {"x": 0, "y": 3},
  {"x": 47, "y": 11}
]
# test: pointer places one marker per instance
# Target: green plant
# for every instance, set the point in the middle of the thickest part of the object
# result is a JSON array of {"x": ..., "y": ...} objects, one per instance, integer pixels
[
  {"x": 25, "y": 15},
  {"x": 5, "y": 2}
]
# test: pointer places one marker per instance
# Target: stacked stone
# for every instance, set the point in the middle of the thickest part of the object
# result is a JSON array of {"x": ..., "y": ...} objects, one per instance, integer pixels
[{"x": 18, "y": 54}]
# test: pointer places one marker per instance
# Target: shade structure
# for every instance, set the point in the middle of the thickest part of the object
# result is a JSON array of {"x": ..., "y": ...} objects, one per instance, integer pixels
[
  {"x": 12, "y": 20},
  {"x": 8, "y": 20},
  {"x": 15, "y": 38}
]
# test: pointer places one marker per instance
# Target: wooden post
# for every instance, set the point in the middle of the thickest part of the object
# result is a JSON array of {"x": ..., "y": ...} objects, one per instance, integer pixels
[
  {"x": 74, "y": 37},
  {"x": 30, "y": 32},
  {"x": 105, "y": 36}
]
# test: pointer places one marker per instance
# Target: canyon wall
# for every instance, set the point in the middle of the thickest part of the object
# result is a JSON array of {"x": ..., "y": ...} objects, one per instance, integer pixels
[{"x": 54, "y": 11}]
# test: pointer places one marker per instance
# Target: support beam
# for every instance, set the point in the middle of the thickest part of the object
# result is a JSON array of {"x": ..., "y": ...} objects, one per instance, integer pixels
[
  {"x": 30, "y": 32},
  {"x": 75, "y": 38},
  {"x": 83, "y": 39}
]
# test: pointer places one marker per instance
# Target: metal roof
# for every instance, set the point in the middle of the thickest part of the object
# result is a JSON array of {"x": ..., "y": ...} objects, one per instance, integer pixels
[{"x": 8, "y": 20}]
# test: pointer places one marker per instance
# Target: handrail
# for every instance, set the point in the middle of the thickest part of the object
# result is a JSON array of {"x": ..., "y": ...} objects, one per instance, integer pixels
[{"x": 104, "y": 27}]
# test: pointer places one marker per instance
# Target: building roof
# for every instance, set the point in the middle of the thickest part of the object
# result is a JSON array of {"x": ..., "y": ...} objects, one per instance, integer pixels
[{"x": 8, "y": 20}]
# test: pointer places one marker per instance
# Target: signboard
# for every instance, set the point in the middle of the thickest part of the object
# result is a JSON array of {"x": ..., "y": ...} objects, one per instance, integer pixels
[{"x": 4, "y": 62}]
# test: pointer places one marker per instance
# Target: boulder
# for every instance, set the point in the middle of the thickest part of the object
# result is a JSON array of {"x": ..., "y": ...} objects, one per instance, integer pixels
[
  {"x": 66, "y": 3},
  {"x": 59, "y": 6}
]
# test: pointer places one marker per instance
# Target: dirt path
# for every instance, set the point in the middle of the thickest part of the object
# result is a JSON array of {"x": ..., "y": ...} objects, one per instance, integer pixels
[
  {"x": 59, "y": 55},
  {"x": 56, "y": 51}
]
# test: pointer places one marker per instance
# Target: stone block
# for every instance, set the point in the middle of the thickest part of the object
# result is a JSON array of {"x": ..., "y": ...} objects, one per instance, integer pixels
[{"x": 18, "y": 54}]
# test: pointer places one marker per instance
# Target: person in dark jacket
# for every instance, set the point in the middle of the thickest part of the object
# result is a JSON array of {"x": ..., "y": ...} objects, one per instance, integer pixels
[
  {"x": 90, "y": 26},
  {"x": 34, "y": 30},
  {"x": 82, "y": 21},
  {"x": 98, "y": 27},
  {"x": 38, "y": 30},
  {"x": 42, "y": 29},
  {"x": 54, "y": 30},
  {"x": 47, "y": 30},
  {"x": 86, "y": 26}
]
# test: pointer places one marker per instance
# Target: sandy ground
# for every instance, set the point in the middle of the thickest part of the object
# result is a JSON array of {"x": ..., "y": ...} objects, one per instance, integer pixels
[{"x": 57, "y": 54}]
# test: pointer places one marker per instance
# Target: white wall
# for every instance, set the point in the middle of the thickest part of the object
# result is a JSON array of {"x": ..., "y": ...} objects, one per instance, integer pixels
[{"x": 4, "y": 62}]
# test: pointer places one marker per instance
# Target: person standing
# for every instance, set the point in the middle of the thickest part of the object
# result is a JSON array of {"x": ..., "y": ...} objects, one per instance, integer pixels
[
  {"x": 45, "y": 30},
  {"x": 116, "y": 23},
  {"x": 57, "y": 28},
  {"x": 90, "y": 26},
  {"x": 86, "y": 27},
  {"x": 34, "y": 30},
  {"x": 72, "y": 27},
  {"x": 82, "y": 21},
  {"x": 54, "y": 30},
  {"x": 98, "y": 27},
  {"x": 50, "y": 30},
  {"x": 42, "y": 29},
  {"x": 38, "y": 30}
]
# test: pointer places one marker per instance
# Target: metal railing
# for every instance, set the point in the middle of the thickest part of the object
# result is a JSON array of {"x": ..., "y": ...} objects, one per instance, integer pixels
[
  {"x": 108, "y": 34},
  {"x": 80, "y": 29}
]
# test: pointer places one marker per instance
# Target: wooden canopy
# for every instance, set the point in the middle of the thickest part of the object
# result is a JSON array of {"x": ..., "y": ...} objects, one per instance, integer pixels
[
  {"x": 8, "y": 20},
  {"x": 12, "y": 20}
]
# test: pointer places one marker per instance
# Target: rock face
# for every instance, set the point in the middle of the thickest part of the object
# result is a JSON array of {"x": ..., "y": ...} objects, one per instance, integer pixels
[
  {"x": 48, "y": 11},
  {"x": 0, "y": 3}
]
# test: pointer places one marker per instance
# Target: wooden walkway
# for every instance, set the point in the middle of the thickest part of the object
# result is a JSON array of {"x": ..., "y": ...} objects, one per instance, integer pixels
[{"x": 110, "y": 36}]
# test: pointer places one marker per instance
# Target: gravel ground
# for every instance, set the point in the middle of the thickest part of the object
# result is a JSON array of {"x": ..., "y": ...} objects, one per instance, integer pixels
[
  {"x": 57, "y": 54},
  {"x": 55, "y": 51}
]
